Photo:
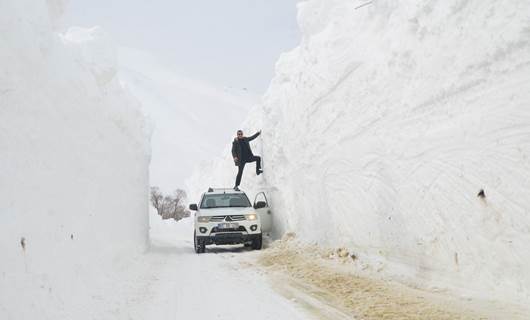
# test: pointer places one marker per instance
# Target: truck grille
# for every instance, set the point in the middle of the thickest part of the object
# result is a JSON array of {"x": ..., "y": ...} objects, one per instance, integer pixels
[
  {"x": 240, "y": 229},
  {"x": 228, "y": 238},
  {"x": 227, "y": 218},
  {"x": 235, "y": 218},
  {"x": 217, "y": 218}
]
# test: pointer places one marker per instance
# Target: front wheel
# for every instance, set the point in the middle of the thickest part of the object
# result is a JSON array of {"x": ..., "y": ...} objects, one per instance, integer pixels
[
  {"x": 199, "y": 245},
  {"x": 257, "y": 243}
]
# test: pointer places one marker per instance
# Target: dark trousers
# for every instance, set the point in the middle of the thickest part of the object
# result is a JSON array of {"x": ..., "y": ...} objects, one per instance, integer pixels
[{"x": 242, "y": 166}]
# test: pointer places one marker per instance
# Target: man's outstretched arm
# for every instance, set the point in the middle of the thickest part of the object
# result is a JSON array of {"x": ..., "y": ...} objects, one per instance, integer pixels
[{"x": 254, "y": 136}]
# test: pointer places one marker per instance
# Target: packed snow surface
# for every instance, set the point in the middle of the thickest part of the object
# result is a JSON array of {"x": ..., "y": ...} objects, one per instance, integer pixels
[
  {"x": 214, "y": 285},
  {"x": 74, "y": 156},
  {"x": 383, "y": 126}
]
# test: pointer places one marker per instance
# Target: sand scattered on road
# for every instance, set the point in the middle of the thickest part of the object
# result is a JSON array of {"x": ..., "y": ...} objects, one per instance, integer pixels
[{"x": 358, "y": 296}]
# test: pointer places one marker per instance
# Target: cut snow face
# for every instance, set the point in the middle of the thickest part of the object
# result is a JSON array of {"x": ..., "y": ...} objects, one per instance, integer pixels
[
  {"x": 97, "y": 51},
  {"x": 380, "y": 129},
  {"x": 74, "y": 159}
]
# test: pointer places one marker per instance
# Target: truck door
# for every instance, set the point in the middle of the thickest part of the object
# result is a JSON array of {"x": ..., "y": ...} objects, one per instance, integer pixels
[{"x": 261, "y": 205}]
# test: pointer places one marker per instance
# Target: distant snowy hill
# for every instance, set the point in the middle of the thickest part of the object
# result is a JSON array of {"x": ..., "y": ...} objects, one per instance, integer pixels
[
  {"x": 192, "y": 121},
  {"x": 382, "y": 127}
]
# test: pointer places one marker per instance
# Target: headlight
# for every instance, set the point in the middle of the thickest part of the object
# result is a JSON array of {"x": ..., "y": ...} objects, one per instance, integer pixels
[
  {"x": 203, "y": 219},
  {"x": 251, "y": 216}
]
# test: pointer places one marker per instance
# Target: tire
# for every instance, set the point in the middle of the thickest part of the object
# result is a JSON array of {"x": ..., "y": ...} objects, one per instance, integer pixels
[
  {"x": 199, "y": 246},
  {"x": 257, "y": 243}
]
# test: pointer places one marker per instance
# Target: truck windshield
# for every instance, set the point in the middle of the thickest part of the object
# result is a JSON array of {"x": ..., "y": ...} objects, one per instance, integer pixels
[{"x": 226, "y": 200}]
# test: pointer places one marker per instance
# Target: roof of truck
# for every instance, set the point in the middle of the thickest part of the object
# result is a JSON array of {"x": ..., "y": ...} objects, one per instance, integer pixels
[{"x": 222, "y": 191}]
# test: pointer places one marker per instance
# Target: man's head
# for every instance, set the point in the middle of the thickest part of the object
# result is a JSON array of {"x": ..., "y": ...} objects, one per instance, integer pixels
[{"x": 239, "y": 134}]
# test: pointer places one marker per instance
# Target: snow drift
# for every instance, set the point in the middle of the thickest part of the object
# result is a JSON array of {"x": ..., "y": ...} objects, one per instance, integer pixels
[
  {"x": 382, "y": 127},
  {"x": 74, "y": 158}
]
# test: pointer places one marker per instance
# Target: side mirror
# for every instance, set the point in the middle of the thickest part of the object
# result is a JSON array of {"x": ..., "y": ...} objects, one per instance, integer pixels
[
  {"x": 193, "y": 207},
  {"x": 260, "y": 204}
]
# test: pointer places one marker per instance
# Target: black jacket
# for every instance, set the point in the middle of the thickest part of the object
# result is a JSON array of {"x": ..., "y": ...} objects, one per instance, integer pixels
[{"x": 236, "y": 148}]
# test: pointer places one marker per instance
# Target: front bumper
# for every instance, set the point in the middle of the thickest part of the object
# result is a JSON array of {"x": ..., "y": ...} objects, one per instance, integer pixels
[
  {"x": 221, "y": 238},
  {"x": 245, "y": 226}
]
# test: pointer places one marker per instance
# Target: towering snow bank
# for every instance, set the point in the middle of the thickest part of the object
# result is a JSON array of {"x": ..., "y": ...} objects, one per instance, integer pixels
[
  {"x": 74, "y": 159},
  {"x": 382, "y": 127}
]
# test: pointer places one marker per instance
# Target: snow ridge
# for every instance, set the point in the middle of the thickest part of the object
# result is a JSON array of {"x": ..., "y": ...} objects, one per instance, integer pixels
[{"x": 382, "y": 127}]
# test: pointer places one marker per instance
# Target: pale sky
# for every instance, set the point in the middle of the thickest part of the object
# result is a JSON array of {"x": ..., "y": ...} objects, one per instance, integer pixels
[{"x": 229, "y": 43}]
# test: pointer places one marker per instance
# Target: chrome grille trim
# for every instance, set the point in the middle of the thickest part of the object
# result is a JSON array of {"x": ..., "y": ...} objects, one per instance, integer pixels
[
  {"x": 237, "y": 218},
  {"x": 217, "y": 218}
]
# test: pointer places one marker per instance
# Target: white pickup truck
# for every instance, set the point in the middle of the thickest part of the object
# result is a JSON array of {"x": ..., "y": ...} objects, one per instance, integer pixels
[{"x": 226, "y": 216}]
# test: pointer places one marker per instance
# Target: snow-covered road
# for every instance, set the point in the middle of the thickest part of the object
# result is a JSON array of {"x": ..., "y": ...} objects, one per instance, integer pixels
[
  {"x": 175, "y": 283},
  {"x": 286, "y": 281}
]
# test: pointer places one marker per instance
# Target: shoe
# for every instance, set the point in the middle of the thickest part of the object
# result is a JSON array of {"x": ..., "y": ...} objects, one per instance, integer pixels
[
  {"x": 236, "y": 189},
  {"x": 258, "y": 172}
]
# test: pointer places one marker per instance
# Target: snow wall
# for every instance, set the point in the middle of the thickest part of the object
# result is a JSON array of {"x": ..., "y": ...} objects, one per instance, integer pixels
[
  {"x": 74, "y": 165},
  {"x": 383, "y": 125}
]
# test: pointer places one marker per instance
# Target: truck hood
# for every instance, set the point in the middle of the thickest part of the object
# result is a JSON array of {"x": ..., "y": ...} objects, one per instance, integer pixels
[{"x": 226, "y": 211}]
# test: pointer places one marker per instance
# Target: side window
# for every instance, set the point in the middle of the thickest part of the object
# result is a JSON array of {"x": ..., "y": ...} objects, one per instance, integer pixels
[{"x": 204, "y": 201}]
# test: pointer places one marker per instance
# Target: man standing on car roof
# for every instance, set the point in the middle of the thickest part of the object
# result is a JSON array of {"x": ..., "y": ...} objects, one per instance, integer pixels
[{"x": 243, "y": 154}]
